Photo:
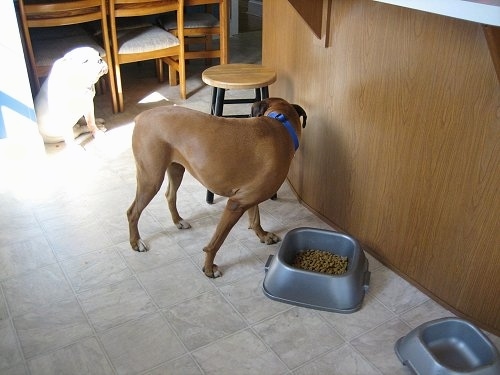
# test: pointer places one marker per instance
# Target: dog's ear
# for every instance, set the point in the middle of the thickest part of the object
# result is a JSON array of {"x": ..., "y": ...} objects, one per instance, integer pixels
[
  {"x": 301, "y": 112},
  {"x": 259, "y": 108}
]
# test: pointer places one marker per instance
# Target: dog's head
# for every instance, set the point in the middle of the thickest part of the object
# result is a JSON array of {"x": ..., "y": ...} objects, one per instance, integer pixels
[
  {"x": 82, "y": 66},
  {"x": 291, "y": 111}
]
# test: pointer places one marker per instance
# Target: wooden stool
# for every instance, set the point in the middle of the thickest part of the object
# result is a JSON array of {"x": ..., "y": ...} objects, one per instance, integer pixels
[{"x": 236, "y": 77}]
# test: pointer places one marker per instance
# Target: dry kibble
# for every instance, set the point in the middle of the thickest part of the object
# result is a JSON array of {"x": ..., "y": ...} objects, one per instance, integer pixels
[{"x": 321, "y": 261}]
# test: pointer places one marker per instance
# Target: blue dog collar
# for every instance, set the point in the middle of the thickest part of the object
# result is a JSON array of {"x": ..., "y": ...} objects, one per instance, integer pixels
[{"x": 281, "y": 118}]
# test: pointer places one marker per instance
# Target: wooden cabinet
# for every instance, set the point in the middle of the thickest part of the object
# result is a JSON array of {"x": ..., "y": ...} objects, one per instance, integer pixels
[{"x": 402, "y": 146}]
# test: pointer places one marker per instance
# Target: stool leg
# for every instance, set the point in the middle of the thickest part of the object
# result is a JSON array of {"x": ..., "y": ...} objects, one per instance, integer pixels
[
  {"x": 265, "y": 95},
  {"x": 209, "y": 197},
  {"x": 265, "y": 92},
  {"x": 214, "y": 99},
  {"x": 218, "y": 96},
  {"x": 258, "y": 96},
  {"x": 219, "y": 101}
]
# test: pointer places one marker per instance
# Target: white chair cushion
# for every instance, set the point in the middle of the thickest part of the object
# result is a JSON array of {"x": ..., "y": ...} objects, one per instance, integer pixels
[
  {"x": 191, "y": 21},
  {"x": 145, "y": 39}
]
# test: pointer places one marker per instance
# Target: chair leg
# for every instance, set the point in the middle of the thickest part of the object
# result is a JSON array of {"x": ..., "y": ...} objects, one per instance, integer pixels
[
  {"x": 159, "y": 70},
  {"x": 119, "y": 89},
  {"x": 172, "y": 76}
]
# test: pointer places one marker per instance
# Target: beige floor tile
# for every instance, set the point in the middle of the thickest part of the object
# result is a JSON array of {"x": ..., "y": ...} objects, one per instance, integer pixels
[
  {"x": 27, "y": 293},
  {"x": 395, "y": 293},
  {"x": 371, "y": 315},
  {"x": 79, "y": 239},
  {"x": 84, "y": 356},
  {"x": 163, "y": 250},
  {"x": 111, "y": 305},
  {"x": 175, "y": 282},
  {"x": 298, "y": 335},
  {"x": 181, "y": 366},
  {"x": 377, "y": 346},
  {"x": 4, "y": 313},
  {"x": 96, "y": 269},
  {"x": 17, "y": 226},
  {"x": 242, "y": 353},
  {"x": 194, "y": 239},
  {"x": 51, "y": 327},
  {"x": 141, "y": 344},
  {"x": 24, "y": 254},
  {"x": 203, "y": 319},
  {"x": 425, "y": 312},
  {"x": 10, "y": 355},
  {"x": 247, "y": 297},
  {"x": 342, "y": 361},
  {"x": 235, "y": 261}
]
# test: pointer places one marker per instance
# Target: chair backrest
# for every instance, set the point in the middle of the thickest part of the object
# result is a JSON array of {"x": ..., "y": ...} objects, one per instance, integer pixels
[
  {"x": 134, "y": 8},
  {"x": 60, "y": 13},
  {"x": 222, "y": 29},
  {"x": 141, "y": 8},
  {"x": 147, "y": 43}
]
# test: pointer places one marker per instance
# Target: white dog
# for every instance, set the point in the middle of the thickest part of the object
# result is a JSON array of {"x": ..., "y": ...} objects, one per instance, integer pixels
[{"x": 68, "y": 94}]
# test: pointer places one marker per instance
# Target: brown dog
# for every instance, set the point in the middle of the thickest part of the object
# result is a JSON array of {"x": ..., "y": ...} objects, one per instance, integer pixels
[{"x": 245, "y": 160}]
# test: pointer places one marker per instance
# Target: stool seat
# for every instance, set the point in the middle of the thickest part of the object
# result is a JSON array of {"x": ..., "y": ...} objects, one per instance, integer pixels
[{"x": 238, "y": 76}]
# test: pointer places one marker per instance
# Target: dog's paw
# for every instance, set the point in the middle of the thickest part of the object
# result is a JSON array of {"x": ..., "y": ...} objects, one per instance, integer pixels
[
  {"x": 183, "y": 224},
  {"x": 99, "y": 121},
  {"x": 98, "y": 134},
  {"x": 140, "y": 246},
  {"x": 215, "y": 272},
  {"x": 270, "y": 238}
]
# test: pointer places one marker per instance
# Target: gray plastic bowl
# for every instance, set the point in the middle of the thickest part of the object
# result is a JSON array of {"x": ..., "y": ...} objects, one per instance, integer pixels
[
  {"x": 336, "y": 293},
  {"x": 448, "y": 346}
]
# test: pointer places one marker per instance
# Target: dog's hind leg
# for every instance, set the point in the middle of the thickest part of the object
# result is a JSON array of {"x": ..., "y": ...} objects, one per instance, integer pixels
[
  {"x": 175, "y": 172},
  {"x": 148, "y": 184},
  {"x": 230, "y": 216},
  {"x": 254, "y": 223}
]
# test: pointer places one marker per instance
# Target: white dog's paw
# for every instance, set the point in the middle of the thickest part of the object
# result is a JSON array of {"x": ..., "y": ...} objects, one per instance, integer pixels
[
  {"x": 99, "y": 121},
  {"x": 80, "y": 129},
  {"x": 98, "y": 134}
]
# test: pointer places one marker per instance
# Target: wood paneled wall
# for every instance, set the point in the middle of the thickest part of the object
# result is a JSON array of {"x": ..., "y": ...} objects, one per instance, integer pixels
[{"x": 402, "y": 146}]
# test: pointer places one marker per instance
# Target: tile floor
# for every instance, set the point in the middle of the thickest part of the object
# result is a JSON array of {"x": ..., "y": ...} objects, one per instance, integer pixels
[{"x": 75, "y": 299}]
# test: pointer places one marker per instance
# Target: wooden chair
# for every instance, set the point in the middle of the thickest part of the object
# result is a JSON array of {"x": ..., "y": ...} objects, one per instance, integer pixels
[
  {"x": 147, "y": 42},
  {"x": 200, "y": 28},
  {"x": 51, "y": 29}
]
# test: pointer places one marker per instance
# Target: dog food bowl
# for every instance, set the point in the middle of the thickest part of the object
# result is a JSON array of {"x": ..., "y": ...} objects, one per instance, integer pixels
[
  {"x": 336, "y": 293},
  {"x": 448, "y": 346}
]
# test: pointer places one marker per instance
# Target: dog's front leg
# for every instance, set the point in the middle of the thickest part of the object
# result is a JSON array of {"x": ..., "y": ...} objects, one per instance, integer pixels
[
  {"x": 254, "y": 223},
  {"x": 91, "y": 120},
  {"x": 230, "y": 216}
]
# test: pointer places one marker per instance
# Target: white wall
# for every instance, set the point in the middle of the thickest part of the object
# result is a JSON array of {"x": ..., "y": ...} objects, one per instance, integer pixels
[{"x": 19, "y": 137}]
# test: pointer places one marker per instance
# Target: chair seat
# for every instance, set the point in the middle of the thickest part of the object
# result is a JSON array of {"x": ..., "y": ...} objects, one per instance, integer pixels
[
  {"x": 144, "y": 39},
  {"x": 47, "y": 51},
  {"x": 191, "y": 21}
]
